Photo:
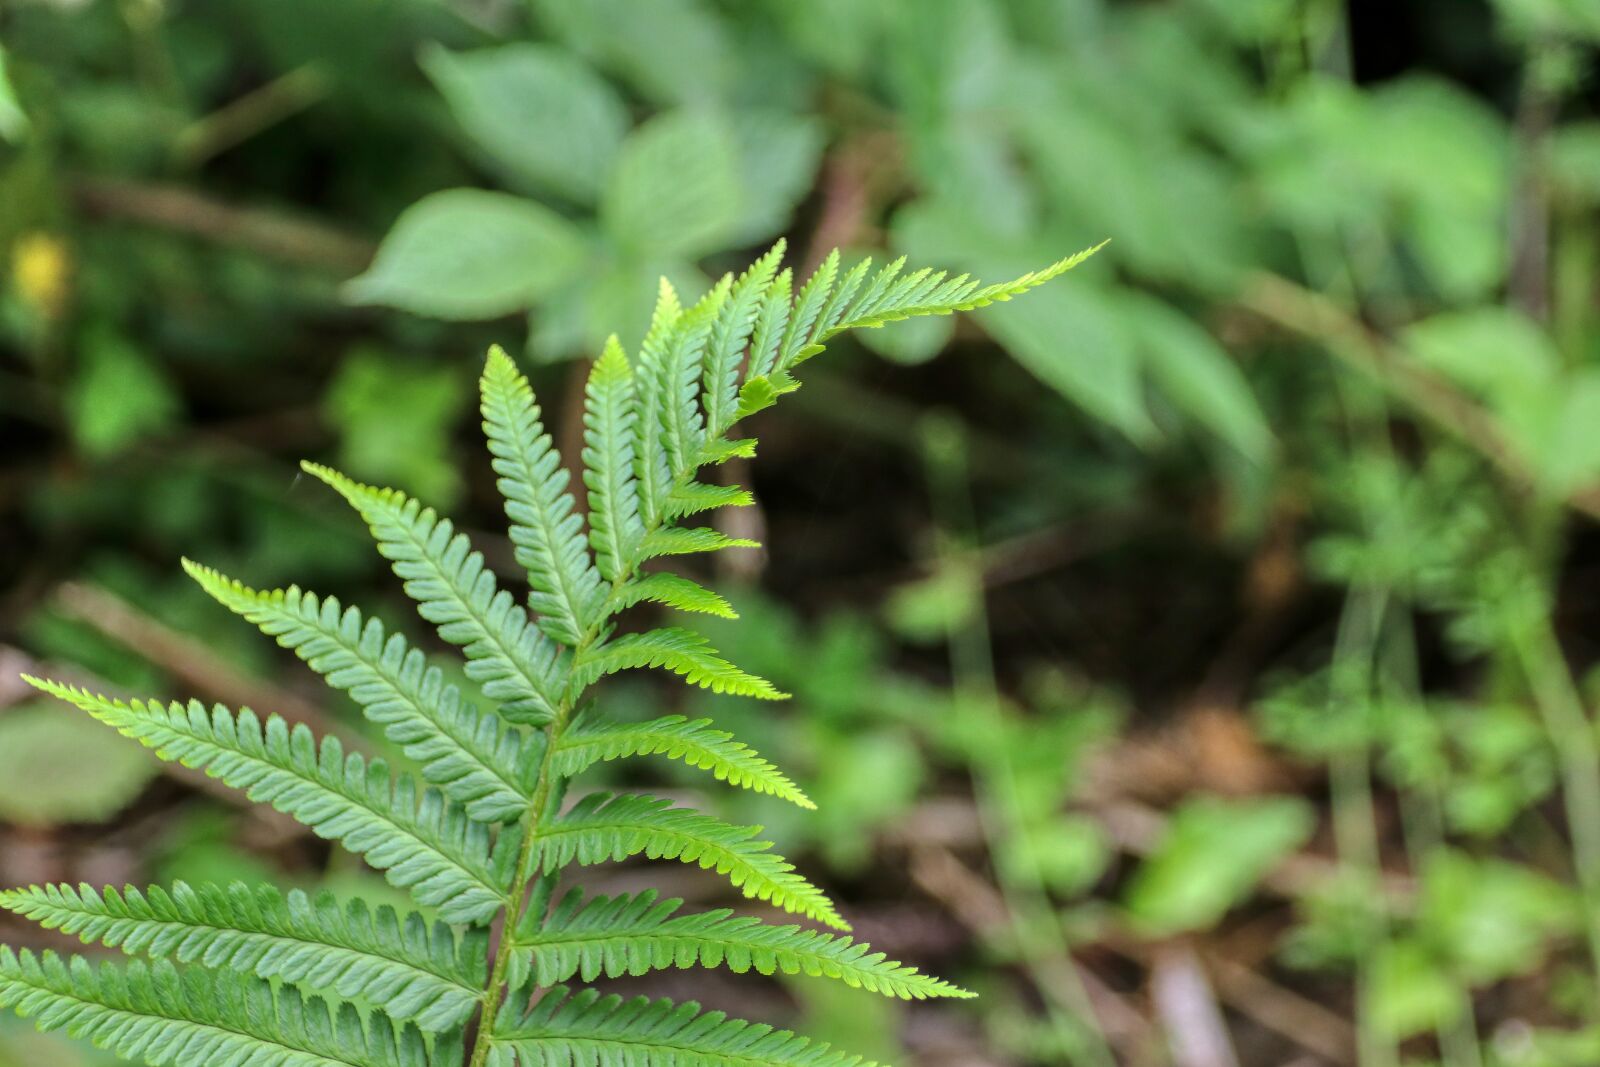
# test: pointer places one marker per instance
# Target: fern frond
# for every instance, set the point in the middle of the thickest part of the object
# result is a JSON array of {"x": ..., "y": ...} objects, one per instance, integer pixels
[
  {"x": 692, "y": 497},
  {"x": 839, "y": 299},
  {"x": 416, "y": 972},
  {"x": 468, "y": 754},
  {"x": 652, "y": 469},
  {"x": 680, "y": 651},
  {"x": 631, "y": 935},
  {"x": 545, "y": 526},
  {"x": 685, "y": 540},
  {"x": 603, "y": 827},
  {"x": 425, "y": 845},
  {"x": 807, "y": 306},
  {"x": 674, "y": 591},
  {"x": 731, "y": 334},
  {"x": 160, "y": 1016},
  {"x": 609, "y": 418},
  {"x": 678, "y": 378},
  {"x": 513, "y": 660},
  {"x": 695, "y": 742},
  {"x": 588, "y": 1030},
  {"x": 931, "y": 293},
  {"x": 771, "y": 322}
]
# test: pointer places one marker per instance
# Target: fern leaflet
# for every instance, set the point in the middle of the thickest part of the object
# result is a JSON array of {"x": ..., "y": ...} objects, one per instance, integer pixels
[
  {"x": 588, "y": 1030},
  {"x": 513, "y": 661},
  {"x": 695, "y": 742},
  {"x": 428, "y": 847},
  {"x": 631, "y": 935},
  {"x": 172, "y": 1019},
  {"x": 680, "y": 651},
  {"x": 470, "y": 755},
  {"x": 604, "y": 827},
  {"x": 548, "y": 535},
  {"x": 418, "y": 972}
]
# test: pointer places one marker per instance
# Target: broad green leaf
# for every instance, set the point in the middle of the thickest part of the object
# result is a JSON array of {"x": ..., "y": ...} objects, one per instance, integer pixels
[
  {"x": 1074, "y": 341},
  {"x": 118, "y": 396},
  {"x": 470, "y": 254},
  {"x": 1409, "y": 992},
  {"x": 671, "y": 51},
  {"x": 1489, "y": 918},
  {"x": 538, "y": 112},
  {"x": 778, "y": 155},
  {"x": 13, "y": 120},
  {"x": 676, "y": 190},
  {"x": 369, "y": 387},
  {"x": 1211, "y": 856},
  {"x": 60, "y": 767},
  {"x": 1496, "y": 352},
  {"x": 1566, "y": 455},
  {"x": 1445, "y": 157},
  {"x": 1194, "y": 372}
]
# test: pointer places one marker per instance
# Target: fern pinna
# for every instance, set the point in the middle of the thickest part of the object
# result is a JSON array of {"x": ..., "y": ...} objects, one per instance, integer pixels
[{"x": 479, "y": 829}]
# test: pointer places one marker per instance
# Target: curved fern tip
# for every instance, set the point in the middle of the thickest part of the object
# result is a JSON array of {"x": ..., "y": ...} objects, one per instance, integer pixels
[
  {"x": 42, "y": 684},
  {"x": 207, "y": 577},
  {"x": 499, "y": 361},
  {"x": 318, "y": 470}
]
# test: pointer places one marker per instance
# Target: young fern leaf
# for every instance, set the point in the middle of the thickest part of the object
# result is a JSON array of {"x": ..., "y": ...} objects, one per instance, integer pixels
[
  {"x": 513, "y": 660},
  {"x": 694, "y": 742},
  {"x": 678, "y": 379},
  {"x": 416, "y": 971},
  {"x": 168, "y": 1018},
  {"x": 603, "y": 827},
  {"x": 483, "y": 839},
  {"x": 687, "y": 540},
  {"x": 588, "y": 1030},
  {"x": 928, "y": 293},
  {"x": 676, "y": 592},
  {"x": 679, "y": 651},
  {"x": 430, "y": 848},
  {"x": 771, "y": 323},
  {"x": 545, "y": 528},
  {"x": 807, "y": 306},
  {"x": 470, "y": 755},
  {"x": 731, "y": 334},
  {"x": 693, "y": 497},
  {"x": 608, "y": 419},
  {"x": 632, "y": 935},
  {"x": 652, "y": 469}
]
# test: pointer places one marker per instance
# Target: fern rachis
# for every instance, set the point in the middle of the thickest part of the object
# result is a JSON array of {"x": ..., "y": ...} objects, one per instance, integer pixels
[{"x": 479, "y": 832}]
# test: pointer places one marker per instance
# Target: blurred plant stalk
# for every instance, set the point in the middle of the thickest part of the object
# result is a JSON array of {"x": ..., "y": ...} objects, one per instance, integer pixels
[{"x": 1037, "y": 935}]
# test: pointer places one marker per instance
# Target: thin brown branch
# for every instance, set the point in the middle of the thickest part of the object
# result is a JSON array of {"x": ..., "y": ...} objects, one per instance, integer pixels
[
  {"x": 245, "y": 117},
  {"x": 1283, "y": 1011},
  {"x": 980, "y": 907},
  {"x": 270, "y": 233}
]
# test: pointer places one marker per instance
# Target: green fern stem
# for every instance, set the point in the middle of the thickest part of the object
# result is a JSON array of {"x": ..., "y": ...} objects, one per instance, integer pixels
[{"x": 494, "y": 993}]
